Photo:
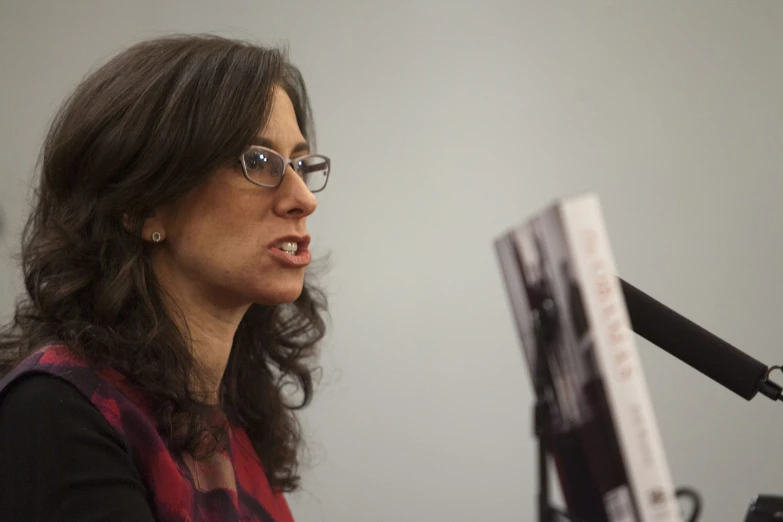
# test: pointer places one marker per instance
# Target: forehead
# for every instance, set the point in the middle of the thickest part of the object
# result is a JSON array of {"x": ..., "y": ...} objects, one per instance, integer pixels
[{"x": 282, "y": 127}]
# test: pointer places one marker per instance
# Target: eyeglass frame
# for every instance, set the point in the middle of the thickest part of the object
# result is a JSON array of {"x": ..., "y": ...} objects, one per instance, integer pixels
[{"x": 286, "y": 163}]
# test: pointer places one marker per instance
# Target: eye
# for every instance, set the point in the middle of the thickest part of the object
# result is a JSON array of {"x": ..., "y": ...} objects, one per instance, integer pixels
[
  {"x": 264, "y": 167},
  {"x": 256, "y": 161}
]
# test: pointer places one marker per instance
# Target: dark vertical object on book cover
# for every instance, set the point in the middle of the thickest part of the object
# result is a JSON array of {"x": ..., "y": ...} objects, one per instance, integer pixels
[{"x": 569, "y": 446}]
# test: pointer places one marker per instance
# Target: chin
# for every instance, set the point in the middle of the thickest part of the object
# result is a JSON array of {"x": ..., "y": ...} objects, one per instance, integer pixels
[{"x": 279, "y": 295}]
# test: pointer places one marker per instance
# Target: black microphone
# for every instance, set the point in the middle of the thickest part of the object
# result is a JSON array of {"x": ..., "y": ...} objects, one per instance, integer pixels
[{"x": 695, "y": 346}]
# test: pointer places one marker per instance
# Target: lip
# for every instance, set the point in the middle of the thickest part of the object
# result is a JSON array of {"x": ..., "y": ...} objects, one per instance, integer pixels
[{"x": 302, "y": 257}]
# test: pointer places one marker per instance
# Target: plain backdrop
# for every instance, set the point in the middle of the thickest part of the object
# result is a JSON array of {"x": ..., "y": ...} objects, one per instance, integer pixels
[{"x": 447, "y": 122}]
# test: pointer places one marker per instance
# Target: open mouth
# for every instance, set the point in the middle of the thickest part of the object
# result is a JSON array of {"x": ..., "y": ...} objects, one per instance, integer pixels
[
  {"x": 292, "y": 251},
  {"x": 289, "y": 247}
]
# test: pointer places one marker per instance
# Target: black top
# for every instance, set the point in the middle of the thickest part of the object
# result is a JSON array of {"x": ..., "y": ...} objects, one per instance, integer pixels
[{"x": 60, "y": 459}]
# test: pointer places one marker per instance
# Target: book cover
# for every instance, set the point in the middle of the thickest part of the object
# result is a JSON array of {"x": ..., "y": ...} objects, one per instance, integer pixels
[{"x": 599, "y": 426}]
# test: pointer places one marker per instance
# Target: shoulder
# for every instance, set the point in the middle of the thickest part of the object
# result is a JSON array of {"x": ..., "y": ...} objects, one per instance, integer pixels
[
  {"x": 109, "y": 392},
  {"x": 42, "y": 389},
  {"x": 31, "y": 394},
  {"x": 41, "y": 405},
  {"x": 66, "y": 460},
  {"x": 58, "y": 390}
]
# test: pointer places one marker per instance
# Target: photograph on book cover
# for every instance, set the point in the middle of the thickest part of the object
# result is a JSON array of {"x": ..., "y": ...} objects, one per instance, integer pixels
[{"x": 552, "y": 324}]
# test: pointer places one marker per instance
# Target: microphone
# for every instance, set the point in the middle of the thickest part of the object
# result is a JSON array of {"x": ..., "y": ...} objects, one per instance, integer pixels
[{"x": 695, "y": 346}]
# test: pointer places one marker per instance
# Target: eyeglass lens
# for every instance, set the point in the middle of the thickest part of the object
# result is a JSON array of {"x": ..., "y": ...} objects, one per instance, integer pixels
[{"x": 266, "y": 169}]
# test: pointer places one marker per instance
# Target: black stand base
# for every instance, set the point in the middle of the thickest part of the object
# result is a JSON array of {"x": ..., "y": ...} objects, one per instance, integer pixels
[{"x": 545, "y": 512}]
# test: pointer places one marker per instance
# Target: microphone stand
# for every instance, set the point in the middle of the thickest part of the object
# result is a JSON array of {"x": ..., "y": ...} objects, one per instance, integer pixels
[
  {"x": 540, "y": 422},
  {"x": 545, "y": 510},
  {"x": 542, "y": 416}
]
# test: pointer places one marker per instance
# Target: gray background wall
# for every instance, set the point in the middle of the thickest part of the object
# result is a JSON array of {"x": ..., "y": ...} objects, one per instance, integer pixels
[{"x": 448, "y": 122}]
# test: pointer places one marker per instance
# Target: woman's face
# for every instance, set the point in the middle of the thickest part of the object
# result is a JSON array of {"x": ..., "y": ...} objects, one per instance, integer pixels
[{"x": 220, "y": 241}]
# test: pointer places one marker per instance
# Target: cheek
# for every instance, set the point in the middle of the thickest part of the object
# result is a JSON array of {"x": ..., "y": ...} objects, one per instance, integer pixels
[{"x": 226, "y": 231}]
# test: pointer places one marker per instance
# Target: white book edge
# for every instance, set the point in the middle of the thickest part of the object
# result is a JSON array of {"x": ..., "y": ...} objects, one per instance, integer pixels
[{"x": 617, "y": 355}]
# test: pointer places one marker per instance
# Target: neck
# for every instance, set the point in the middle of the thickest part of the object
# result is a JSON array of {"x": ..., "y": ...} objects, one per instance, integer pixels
[
  {"x": 209, "y": 330},
  {"x": 210, "y": 338}
]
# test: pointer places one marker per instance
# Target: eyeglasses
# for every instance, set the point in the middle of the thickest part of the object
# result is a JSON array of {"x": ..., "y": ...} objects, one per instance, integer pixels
[{"x": 266, "y": 168}]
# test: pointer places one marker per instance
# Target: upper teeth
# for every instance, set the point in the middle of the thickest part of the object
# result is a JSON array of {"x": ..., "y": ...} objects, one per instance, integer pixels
[{"x": 289, "y": 246}]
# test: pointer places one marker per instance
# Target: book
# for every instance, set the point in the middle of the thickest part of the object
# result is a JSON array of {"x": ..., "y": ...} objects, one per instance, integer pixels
[{"x": 598, "y": 424}]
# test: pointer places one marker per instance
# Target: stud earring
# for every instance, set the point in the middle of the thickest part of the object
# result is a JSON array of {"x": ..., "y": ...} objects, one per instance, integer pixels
[{"x": 156, "y": 237}]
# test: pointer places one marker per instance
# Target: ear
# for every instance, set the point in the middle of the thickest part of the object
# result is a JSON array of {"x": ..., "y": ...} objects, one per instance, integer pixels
[{"x": 152, "y": 229}]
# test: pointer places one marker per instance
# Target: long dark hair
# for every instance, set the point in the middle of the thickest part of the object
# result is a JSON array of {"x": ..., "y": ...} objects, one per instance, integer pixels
[{"x": 139, "y": 132}]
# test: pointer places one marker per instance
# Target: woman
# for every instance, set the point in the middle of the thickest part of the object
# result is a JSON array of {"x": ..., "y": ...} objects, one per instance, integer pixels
[{"x": 166, "y": 311}]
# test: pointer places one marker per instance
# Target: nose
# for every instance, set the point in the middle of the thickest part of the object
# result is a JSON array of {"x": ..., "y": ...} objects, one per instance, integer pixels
[{"x": 295, "y": 199}]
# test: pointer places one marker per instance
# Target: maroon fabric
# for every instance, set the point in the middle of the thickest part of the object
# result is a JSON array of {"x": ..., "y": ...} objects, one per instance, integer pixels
[{"x": 229, "y": 486}]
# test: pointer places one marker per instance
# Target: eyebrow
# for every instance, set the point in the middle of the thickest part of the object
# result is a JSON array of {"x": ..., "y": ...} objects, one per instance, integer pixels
[{"x": 302, "y": 146}]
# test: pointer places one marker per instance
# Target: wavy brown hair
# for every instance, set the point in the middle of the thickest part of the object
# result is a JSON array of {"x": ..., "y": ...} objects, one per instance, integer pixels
[{"x": 139, "y": 132}]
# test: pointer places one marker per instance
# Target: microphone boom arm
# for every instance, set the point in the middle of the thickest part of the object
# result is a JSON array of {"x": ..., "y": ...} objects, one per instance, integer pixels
[{"x": 697, "y": 347}]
